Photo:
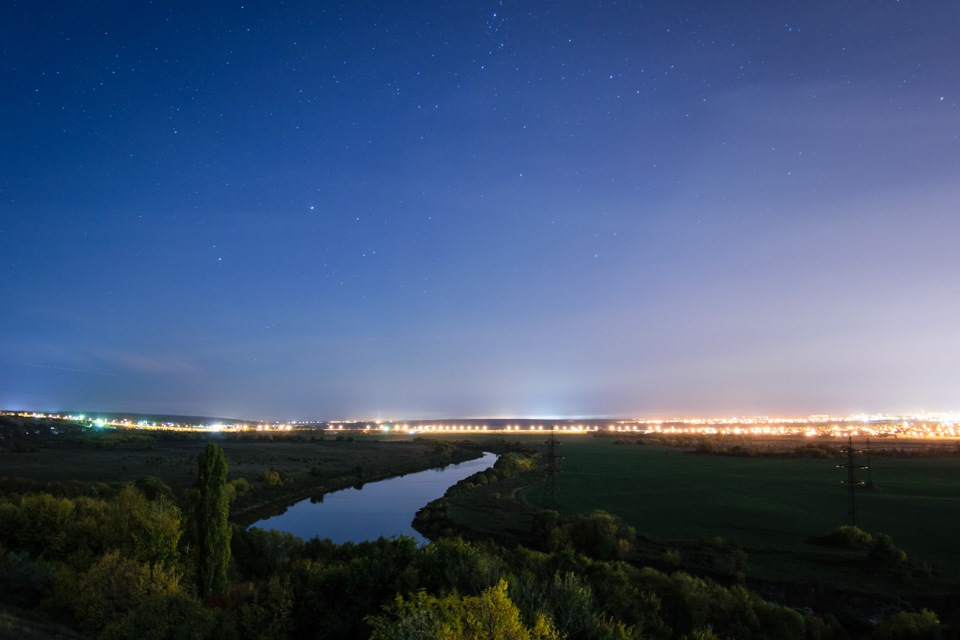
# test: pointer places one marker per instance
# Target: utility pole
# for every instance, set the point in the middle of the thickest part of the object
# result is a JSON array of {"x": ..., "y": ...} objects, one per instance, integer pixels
[
  {"x": 553, "y": 470},
  {"x": 852, "y": 482}
]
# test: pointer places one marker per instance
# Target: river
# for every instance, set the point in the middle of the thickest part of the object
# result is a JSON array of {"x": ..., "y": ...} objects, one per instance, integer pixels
[{"x": 385, "y": 508}]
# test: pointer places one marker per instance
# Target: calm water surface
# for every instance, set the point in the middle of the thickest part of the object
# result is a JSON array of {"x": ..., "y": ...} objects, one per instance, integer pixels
[{"x": 384, "y": 508}]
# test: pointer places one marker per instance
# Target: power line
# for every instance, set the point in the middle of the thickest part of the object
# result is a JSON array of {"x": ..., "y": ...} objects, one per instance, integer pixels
[
  {"x": 553, "y": 470},
  {"x": 853, "y": 482}
]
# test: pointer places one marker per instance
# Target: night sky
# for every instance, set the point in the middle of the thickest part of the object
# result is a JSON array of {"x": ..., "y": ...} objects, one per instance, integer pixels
[{"x": 295, "y": 210}]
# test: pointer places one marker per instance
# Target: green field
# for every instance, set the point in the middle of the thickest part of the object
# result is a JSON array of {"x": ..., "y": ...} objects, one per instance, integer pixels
[
  {"x": 769, "y": 506},
  {"x": 308, "y": 463}
]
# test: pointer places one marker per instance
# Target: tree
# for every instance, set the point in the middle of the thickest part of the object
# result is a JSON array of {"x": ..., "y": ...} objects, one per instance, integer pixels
[
  {"x": 176, "y": 616},
  {"x": 116, "y": 585},
  {"x": 212, "y": 529},
  {"x": 909, "y": 626},
  {"x": 142, "y": 529},
  {"x": 419, "y": 616},
  {"x": 493, "y": 615},
  {"x": 44, "y": 525},
  {"x": 490, "y": 615},
  {"x": 267, "y": 615}
]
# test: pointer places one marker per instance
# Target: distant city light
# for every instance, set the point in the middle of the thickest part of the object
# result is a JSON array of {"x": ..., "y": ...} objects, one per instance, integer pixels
[{"x": 925, "y": 425}]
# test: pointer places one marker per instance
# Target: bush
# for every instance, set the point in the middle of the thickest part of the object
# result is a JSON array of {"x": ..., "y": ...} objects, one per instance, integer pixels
[
  {"x": 115, "y": 585},
  {"x": 513, "y": 463},
  {"x": 23, "y": 581},
  {"x": 270, "y": 478},
  {"x": 175, "y": 616},
  {"x": 884, "y": 552},
  {"x": 671, "y": 557},
  {"x": 238, "y": 488},
  {"x": 597, "y": 535},
  {"x": 152, "y": 487},
  {"x": 441, "y": 447},
  {"x": 909, "y": 626},
  {"x": 850, "y": 537}
]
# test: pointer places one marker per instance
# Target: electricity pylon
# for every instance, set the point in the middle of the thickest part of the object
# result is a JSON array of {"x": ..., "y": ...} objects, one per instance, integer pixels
[
  {"x": 553, "y": 470},
  {"x": 852, "y": 482}
]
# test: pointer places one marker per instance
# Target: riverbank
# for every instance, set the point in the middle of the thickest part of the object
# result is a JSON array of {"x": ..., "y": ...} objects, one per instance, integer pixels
[
  {"x": 268, "y": 471},
  {"x": 486, "y": 504},
  {"x": 404, "y": 458},
  {"x": 385, "y": 508}
]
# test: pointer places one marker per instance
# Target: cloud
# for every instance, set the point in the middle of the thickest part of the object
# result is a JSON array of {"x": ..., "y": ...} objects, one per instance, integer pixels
[{"x": 149, "y": 363}]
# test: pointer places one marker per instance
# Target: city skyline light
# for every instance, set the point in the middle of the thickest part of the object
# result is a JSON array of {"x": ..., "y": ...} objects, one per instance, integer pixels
[{"x": 305, "y": 210}]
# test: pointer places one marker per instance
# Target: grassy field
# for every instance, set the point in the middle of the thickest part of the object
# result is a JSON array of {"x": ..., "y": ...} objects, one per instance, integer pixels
[
  {"x": 770, "y": 506},
  {"x": 309, "y": 464},
  {"x": 175, "y": 461}
]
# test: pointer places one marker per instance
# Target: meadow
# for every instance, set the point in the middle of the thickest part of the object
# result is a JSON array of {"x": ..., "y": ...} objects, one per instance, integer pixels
[
  {"x": 771, "y": 507},
  {"x": 68, "y": 459}
]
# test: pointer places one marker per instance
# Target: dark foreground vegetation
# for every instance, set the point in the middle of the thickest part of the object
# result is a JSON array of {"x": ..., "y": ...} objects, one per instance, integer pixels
[{"x": 143, "y": 559}]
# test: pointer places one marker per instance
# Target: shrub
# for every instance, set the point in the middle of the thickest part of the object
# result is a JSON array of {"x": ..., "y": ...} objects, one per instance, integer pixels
[
  {"x": 850, "y": 537},
  {"x": 152, "y": 487},
  {"x": 23, "y": 581},
  {"x": 168, "y": 616},
  {"x": 237, "y": 488},
  {"x": 270, "y": 478},
  {"x": 909, "y": 626},
  {"x": 884, "y": 552}
]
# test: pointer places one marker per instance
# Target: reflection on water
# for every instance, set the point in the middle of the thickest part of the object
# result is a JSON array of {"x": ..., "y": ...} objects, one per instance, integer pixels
[{"x": 384, "y": 508}]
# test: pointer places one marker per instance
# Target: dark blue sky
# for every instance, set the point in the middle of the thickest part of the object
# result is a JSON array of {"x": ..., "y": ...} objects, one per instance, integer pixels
[{"x": 423, "y": 209}]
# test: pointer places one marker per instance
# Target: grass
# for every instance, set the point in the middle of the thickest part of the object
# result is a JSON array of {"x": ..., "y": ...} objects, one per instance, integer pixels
[
  {"x": 309, "y": 466},
  {"x": 769, "y": 506},
  {"x": 491, "y": 511},
  {"x": 14, "y": 625}
]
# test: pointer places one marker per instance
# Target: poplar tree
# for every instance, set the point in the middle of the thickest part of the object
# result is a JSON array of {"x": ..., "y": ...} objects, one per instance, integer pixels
[{"x": 212, "y": 526}]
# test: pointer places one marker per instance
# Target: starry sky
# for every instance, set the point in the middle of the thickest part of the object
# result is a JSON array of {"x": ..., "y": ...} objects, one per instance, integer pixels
[{"x": 297, "y": 210}]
